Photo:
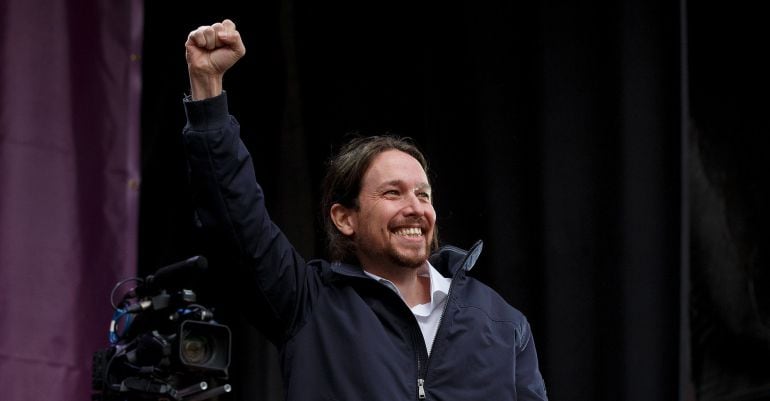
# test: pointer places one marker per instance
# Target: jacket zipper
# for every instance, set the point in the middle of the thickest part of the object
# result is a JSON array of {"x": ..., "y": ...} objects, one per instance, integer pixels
[
  {"x": 420, "y": 389},
  {"x": 421, "y": 375}
]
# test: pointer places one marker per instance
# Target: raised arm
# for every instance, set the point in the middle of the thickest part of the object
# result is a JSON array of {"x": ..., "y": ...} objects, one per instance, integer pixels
[{"x": 229, "y": 202}]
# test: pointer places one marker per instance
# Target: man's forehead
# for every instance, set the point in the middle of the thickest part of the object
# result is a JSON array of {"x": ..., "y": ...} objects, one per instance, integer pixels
[{"x": 392, "y": 166}]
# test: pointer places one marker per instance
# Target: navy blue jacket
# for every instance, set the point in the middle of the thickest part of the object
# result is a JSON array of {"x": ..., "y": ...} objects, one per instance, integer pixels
[{"x": 341, "y": 334}]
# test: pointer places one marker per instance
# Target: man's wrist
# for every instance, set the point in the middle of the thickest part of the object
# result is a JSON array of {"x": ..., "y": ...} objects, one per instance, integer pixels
[{"x": 205, "y": 87}]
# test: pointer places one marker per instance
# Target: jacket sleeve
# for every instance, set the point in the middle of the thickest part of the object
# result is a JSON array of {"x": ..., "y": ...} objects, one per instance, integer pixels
[
  {"x": 230, "y": 206},
  {"x": 529, "y": 381}
]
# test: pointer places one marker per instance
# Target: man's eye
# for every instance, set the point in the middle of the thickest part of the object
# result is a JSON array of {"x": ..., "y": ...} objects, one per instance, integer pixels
[
  {"x": 391, "y": 192},
  {"x": 423, "y": 195}
]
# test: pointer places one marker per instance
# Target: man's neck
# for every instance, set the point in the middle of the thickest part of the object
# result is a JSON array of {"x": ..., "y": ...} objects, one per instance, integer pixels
[{"x": 413, "y": 286}]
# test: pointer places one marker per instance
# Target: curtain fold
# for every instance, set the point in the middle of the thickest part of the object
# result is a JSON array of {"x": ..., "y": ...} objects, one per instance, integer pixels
[{"x": 69, "y": 175}]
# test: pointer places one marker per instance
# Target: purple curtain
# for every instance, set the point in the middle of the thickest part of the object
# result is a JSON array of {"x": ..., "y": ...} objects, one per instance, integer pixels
[{"x": 69, "y": 183}]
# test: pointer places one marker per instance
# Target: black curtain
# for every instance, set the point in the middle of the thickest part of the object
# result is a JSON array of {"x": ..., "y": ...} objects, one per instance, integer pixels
[
  {"x": 727, "y": 163},
  {"x": 557, "y": 133}
]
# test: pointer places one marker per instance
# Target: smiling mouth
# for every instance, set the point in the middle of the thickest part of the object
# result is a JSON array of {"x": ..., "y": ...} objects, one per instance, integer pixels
[{"x": 409, "y": 232}]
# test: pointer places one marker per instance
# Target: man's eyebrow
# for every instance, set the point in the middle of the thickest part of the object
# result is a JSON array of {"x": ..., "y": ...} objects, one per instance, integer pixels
[{"x": 424, "y": 186}]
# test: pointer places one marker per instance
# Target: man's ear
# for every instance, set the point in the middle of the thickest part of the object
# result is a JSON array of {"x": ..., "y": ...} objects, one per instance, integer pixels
[{"x": 343, "y": 218}]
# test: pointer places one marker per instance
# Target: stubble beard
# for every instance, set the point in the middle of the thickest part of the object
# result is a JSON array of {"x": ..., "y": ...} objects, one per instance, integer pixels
[{"x": 406, "y": 260}]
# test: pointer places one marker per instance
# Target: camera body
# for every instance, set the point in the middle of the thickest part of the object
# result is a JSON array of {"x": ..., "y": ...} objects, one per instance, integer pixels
[{"x": 163, "y": 345}]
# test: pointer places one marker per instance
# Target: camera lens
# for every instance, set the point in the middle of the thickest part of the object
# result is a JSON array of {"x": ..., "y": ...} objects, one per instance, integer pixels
[
  {"x": 196, "y": 350},
  {"x": 204, "y": 346}
]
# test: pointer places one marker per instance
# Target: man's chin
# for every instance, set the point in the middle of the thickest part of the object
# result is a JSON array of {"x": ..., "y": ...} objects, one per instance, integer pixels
[{"x": 409, "y": 261}]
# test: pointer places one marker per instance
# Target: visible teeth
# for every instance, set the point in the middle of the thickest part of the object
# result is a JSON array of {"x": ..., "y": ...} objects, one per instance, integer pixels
[{"x": 410, "y": 232}]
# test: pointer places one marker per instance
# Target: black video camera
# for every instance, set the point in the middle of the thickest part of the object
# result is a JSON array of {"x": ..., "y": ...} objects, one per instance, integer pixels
[{"x": 163, "y": 345}]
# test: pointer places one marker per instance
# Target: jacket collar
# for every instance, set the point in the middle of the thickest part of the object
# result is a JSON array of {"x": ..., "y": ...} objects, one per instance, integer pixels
[{"x": 450, "y": 259}]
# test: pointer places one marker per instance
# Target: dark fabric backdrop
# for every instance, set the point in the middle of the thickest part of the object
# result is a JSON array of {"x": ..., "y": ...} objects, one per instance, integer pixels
[
  {"x": 69, "y": 186},
  {"x": 563, "y": 135},
  {"x": 730, "y": 194}
]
